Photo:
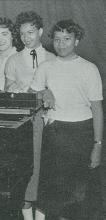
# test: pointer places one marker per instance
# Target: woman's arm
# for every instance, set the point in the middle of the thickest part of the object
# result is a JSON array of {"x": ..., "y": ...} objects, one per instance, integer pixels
[
  {"x": 97, "y": 112},
  {"x": 11, "y": 86},
  {"x": 47, "y": 97}
]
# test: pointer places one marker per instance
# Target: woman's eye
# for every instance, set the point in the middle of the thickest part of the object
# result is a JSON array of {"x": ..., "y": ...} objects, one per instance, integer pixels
[
  {"x": 62, "y": 40},
  {"x": 56, "y": 40},
  {"x": 67, "y": 38}
]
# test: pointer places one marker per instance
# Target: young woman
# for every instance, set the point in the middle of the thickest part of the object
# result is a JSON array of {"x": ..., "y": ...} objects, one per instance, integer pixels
[
  {"x": 72, "y": 137},
  {"x": 19, "y": 72}
]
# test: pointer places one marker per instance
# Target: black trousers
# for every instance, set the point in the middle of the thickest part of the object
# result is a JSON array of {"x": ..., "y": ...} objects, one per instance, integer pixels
[{"x": 66, "y": 182}]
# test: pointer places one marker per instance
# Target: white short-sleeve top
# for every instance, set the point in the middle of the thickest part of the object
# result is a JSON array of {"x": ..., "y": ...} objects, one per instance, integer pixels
[
  {"x": 19, "y": 67},
  {"x": 3, "y": 59},
  {"x": 74, "y": 84}
]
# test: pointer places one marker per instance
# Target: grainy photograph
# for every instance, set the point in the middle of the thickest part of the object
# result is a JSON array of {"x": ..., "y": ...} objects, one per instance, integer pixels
[{"x": 52, "y": 110}]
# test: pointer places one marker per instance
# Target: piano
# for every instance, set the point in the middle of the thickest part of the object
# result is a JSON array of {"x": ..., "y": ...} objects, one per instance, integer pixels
[{"x": 16, "y": 147}]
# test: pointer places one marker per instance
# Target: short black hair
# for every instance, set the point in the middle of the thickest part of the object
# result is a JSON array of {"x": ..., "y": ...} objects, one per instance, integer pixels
[{"x": 70, "y": 26}]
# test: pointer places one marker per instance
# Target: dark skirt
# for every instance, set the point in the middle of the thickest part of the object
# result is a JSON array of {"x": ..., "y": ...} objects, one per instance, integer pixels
[{"x": 65, "y": 160}]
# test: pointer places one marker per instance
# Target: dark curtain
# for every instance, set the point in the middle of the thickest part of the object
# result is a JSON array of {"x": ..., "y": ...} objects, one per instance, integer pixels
[{"x": 88, "y": 13}]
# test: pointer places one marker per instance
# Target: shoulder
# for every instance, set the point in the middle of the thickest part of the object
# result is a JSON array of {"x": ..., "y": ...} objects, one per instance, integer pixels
[
  {"x": 88, "y": 65},
  {"x": 46, "y": 67},
  {"x": 91, "y": 76},
  {"x": 49, "y": 55},
  {"x": 47, "y": 64},
  {"x": 50, "y": 59},
  {"x": 14, "y": 58}
]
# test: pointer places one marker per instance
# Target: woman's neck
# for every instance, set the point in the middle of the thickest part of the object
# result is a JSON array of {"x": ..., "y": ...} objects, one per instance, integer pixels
[{"x": 68, "y": 58}]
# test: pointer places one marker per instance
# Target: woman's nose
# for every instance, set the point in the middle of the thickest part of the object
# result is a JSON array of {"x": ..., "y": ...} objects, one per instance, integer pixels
[
  {"x": 62, "y": 42},
  {"x": 27, "y": 36}
]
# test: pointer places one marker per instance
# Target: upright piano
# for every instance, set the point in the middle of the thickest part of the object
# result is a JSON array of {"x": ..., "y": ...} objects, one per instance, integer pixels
[{"x": 16, "y": 147}]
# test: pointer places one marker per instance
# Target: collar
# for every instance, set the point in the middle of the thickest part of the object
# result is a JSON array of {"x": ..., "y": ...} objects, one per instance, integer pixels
[{"x": 38, "y": 49}]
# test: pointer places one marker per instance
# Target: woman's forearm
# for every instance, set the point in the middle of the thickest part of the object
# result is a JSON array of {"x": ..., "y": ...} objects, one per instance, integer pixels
[
  {"x": 97, "y": 112},
  {"x": 10, "y": 86}
]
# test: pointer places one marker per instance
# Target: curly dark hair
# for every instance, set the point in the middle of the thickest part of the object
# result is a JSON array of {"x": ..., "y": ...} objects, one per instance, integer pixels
[
  {"x": 7, "y": 23},
  {"x": 26, "y": 17},
  {"x": 70, "y": 26}
]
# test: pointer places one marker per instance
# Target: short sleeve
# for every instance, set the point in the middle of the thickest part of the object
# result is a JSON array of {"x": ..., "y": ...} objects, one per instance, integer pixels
[
  {"x": 10, "y": 68},
  {"x": 39, "y": 80},
  {"x": 94, "y": 84}
]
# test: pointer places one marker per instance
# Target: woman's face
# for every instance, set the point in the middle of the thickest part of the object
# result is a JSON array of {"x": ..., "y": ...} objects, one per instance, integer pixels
[
  {"x": 5, "y": 39},
  {"x": 30, "y": 35},
  {"x": 64, "y": 43}
]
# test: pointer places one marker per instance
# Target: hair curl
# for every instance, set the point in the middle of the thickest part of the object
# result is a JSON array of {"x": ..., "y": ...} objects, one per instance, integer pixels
[
  {"x": 26, "y": 17},
  {"x": 68, "y": 25},
  {"x": 29, "y": 17},
  {"x": 7, "y": 23}
]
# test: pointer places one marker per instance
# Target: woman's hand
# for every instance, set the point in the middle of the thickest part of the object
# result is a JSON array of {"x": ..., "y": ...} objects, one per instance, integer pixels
[
  {"x": 48, "y": 99},
  {"x": 96, "y": 156}
]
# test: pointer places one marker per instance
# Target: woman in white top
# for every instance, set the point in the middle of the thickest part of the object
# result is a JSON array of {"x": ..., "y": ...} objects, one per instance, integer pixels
[
  {"x": 72, "y": 138},
  {"x": 19, "y": 71}
]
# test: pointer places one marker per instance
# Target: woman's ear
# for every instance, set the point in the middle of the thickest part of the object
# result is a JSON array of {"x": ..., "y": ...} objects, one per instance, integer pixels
[
  {"x": 40, "y": 32},
  {"x": 76, "y": 42}
]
